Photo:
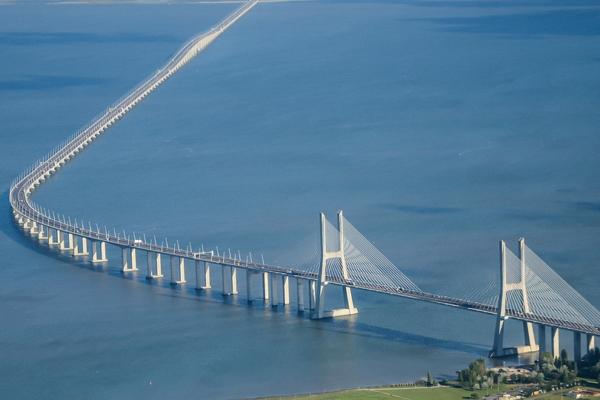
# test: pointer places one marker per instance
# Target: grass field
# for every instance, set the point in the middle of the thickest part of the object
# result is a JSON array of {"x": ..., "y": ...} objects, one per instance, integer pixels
[{"x": 389, "y": 393}]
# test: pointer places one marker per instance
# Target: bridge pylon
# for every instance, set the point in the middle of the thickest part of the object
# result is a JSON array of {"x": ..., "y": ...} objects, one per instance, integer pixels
[
  {"x": 349, "y": 308},
  {"x": 530, "y": 345}
]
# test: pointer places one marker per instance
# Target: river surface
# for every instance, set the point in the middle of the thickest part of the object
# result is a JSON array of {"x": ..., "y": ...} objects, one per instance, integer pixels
[{"x": 438, "y": 127}]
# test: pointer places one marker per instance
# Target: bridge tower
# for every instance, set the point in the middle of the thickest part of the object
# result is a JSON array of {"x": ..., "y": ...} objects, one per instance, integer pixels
[
  {"x": 322, "y": 283},
  {"x": 530, "y": 344}
]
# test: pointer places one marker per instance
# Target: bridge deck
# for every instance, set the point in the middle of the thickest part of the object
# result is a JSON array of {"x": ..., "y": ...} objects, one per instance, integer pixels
[{"x": 26, "y": 183}]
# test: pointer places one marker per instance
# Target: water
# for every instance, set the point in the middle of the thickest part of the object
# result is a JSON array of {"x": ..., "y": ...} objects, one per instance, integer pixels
[{"x": 439, "y": 128}]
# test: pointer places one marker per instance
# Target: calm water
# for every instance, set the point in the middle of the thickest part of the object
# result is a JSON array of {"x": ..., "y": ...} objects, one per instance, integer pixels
[{"x": 439, "y": 128}]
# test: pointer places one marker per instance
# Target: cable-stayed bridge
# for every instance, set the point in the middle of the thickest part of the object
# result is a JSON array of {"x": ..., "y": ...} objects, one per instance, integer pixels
[{"x": 527, "y": 289}]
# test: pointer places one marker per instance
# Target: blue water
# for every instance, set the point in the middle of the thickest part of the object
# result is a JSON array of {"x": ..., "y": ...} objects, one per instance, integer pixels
[{"x": 438, "y": 127}]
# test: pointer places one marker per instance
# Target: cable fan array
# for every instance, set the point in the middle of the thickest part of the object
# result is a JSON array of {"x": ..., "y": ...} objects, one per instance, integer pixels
[{"x": 367, "y": 267}]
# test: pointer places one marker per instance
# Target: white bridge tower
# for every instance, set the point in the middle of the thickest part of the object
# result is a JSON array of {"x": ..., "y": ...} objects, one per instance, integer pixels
[
  {"x": 322, "y": 283},
  {"x": 530, "y": 344}
]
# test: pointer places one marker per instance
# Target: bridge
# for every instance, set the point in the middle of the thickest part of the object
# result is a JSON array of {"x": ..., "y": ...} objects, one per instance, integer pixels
[{"x": 527, "y": 290}]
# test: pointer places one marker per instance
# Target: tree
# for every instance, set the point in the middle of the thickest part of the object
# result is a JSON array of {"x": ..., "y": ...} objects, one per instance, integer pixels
[{"x": 474, "y": 375}]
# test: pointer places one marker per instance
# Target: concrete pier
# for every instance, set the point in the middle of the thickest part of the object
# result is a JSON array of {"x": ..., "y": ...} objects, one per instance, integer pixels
[
  {"x": 249, "y": 294},
  {"x": 158, "y": 272},
  {"x": 312, "y": 296},
  {"x": 273, "y": 289},
  {"x": 224, "y": 281},
  {"x": 577, "y": 346},
  {"x": 177, "y": 263},
  {"x": 233, "y": 276},
  {"x": 555, "y": 337},
  {"x": 60, "y": 239},
  {"x": 153, "y": 259},
  {"x": 129, "y": 259},
  {"x": 198, "y": 274},
  {"x": 285, "y": 288},
  {"x": 542, "y": 340},
  {"x": 52, "y": 239},
  {"x": 83, "y": 250},
  {"x": 591, "y": 342},
  {"x": 149, "y": 272},
  {"x": 265, "y": 285},
  {"x": 300, "y": 294},
  {"x": 98, "y": 255},
  {"x": 43, "y": 234},
  {"x": 207, "y": 283}
]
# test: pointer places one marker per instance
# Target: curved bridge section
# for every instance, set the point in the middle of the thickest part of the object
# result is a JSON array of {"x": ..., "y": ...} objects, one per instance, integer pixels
[{"x": 355, "y": 263}]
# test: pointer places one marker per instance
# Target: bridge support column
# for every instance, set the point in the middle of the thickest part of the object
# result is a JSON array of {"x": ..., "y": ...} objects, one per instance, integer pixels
[
  {"x": 265, "y": 285},
  {"x": 530, "y": 345},
  {"x": 134, "y": 259},
  {"x": 177, "y": 261},
  {"x": 577, "y": 346},
  {"x": 103, "y": 257},
  {"x": 95, "y": 257},
  {"x": 84, "y": 246},
  {"x": 273, "y": 290},
  {"x": 34, "y": 228},
  {"x": 43, "y": 235},
  {"x": 63, "y": 245},
  {"x": 149, "y": 272},
  {"x": 129, "y": 254},
  {"x": 52, "y": 236},
  {"x": 312, "y": 296},
  {"x": 233, "y": 276},
  {"x": 207, "y": 284},
  {"x": 591, "y": 343},
  {"x": 300, "y": 294},
  {"x": 158, "y": 266},
  {"x": 542, "y": 340},
  {"x": 285, "y": 288},
  {"x": 327, "y": 255},
  {"x": 60, "y": 238},
  {"x": 198, "y": 274},
  {"x": 224, "y": 281},
  {"x": 555, "y": 335},
  {"x": 249, "y": 275}
]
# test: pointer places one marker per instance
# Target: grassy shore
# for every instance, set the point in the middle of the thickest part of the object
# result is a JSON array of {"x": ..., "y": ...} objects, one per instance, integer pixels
[
  {"x": 389, "y": 393},
  {"x": 413, "y": 393}
]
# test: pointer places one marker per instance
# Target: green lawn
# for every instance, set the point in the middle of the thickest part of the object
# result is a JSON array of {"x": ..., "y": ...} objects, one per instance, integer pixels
[
  {"x": 389, "y": 393},
  {"x": 442, "y": 393}
]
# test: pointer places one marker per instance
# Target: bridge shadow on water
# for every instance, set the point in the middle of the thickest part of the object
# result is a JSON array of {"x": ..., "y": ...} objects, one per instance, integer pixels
[
  {"x": 346, "y": 326},
  {"x": 351, "y": 326}
]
